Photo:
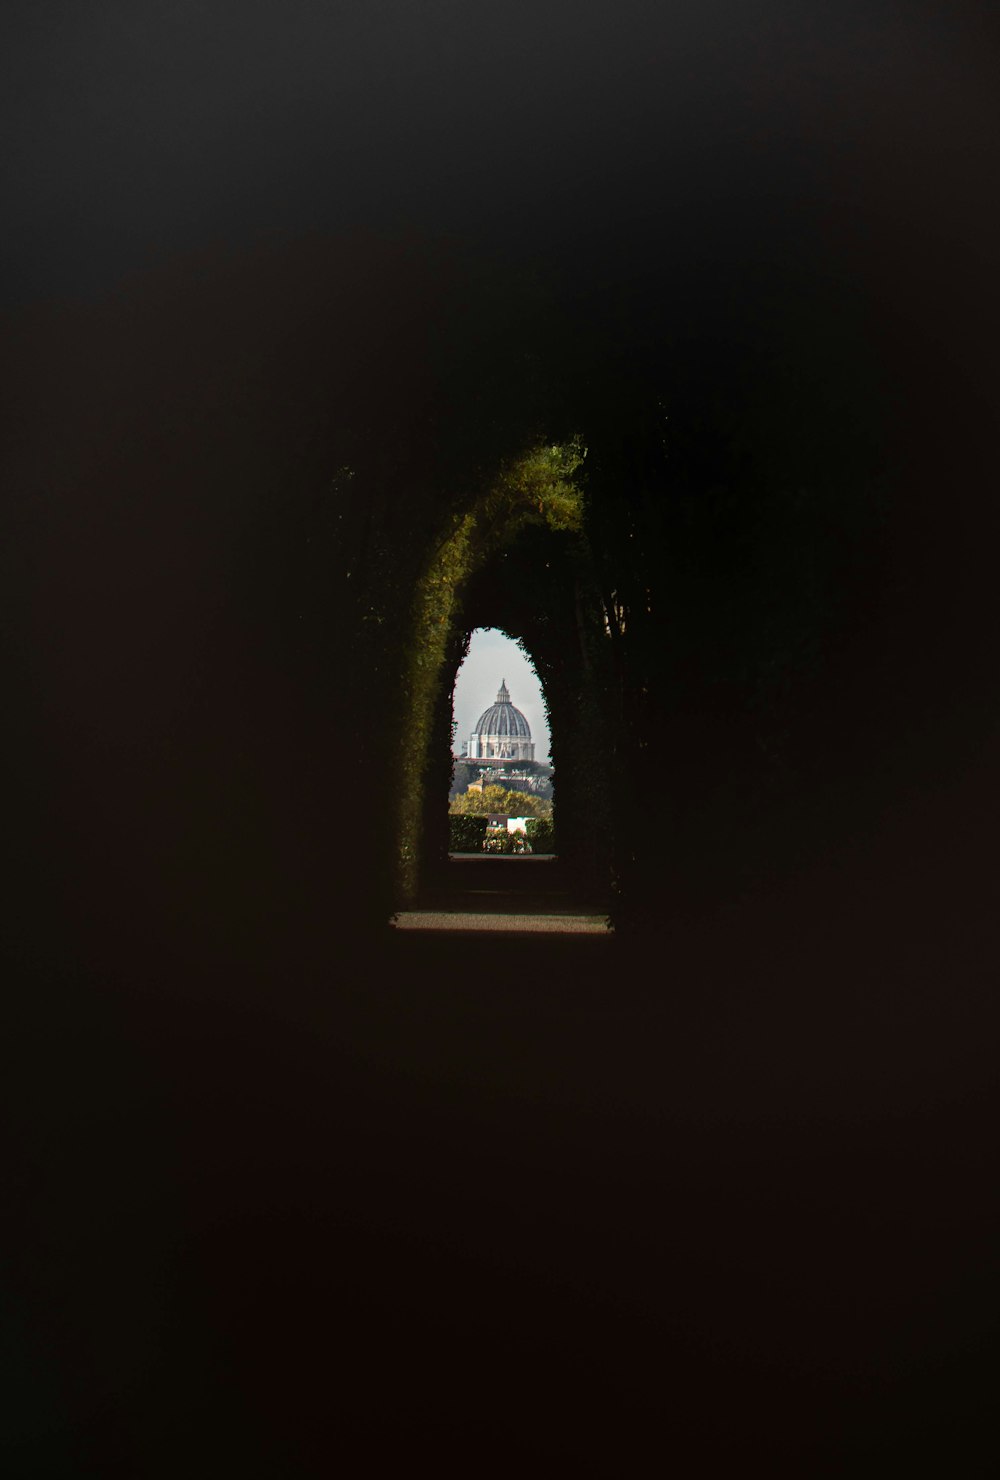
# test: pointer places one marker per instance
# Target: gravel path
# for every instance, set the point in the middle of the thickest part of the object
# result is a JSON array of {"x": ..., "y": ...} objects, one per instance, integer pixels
[{"x": 525, "y": 923}]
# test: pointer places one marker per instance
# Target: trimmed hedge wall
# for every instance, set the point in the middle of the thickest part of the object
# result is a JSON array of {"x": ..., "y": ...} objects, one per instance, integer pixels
[
  {"x": 541, "y": 834},
  {"x": 466, "y": 834}
]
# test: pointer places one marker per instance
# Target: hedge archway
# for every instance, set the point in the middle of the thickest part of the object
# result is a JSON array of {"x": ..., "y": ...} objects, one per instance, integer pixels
[{"x": 538, "y": 492}]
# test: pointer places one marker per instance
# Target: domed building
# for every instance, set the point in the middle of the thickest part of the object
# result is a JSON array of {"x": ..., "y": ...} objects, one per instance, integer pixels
[{"x": 502, "y": 732}]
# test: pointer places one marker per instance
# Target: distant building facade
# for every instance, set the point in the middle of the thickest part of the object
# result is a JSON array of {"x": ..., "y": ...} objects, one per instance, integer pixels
[
  {"x": 532, "y": 777},
  {"x": 501, "y": 752},
  {"x": 501, "y": 733}
]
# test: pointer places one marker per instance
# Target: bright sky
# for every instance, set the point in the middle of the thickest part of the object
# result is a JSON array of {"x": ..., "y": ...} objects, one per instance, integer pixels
[{"x": 493, "y": 656}]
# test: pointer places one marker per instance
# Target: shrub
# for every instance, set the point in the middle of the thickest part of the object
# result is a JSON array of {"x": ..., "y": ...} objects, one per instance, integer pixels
[
  {"x": 541, "y": 834},
  {"x": 466, "y": 834}
]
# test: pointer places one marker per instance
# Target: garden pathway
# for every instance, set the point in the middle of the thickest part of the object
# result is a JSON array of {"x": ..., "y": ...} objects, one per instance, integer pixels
[{"x": 527, "y": 895}]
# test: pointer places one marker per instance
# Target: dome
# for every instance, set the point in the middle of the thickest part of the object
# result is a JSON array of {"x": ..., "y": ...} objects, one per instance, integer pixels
[
  {"x": 503, "y": 719},
  {"x": 502, "y": 732}
]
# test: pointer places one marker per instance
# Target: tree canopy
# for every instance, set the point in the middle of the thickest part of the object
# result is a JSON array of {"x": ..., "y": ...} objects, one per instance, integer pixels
[{"x": 498, "y": 799}]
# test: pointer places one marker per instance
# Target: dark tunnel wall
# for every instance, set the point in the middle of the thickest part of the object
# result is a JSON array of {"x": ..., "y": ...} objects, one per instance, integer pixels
[
  {"x": 284, "y": 1186},
  {"x": 222, "y": 481},
  {"x": 225, "y": 477}
]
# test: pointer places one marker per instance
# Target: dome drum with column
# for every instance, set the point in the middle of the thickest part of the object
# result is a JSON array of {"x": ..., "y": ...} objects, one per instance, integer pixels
[{"x": 502, "y": 732}]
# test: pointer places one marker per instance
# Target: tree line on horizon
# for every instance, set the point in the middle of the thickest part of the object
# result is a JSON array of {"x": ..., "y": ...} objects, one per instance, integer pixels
[{"x": 479, "y": 802}]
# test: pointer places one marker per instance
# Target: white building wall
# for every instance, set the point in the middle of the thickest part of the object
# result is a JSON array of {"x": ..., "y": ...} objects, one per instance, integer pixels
[{"x": 500, "y": 747}]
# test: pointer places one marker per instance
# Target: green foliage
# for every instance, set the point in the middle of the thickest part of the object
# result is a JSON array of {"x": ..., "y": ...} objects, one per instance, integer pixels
[
  {"x": 499, "y": 840},
  {"x": 539, "y": 487},
  {"x": 466, "y": 833},
  {"x": 536, "y": 488},
  {"x": 498, "y": 799},
  {"x": 541, "y": 834},
  {"x": 470, "y": 833}
]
